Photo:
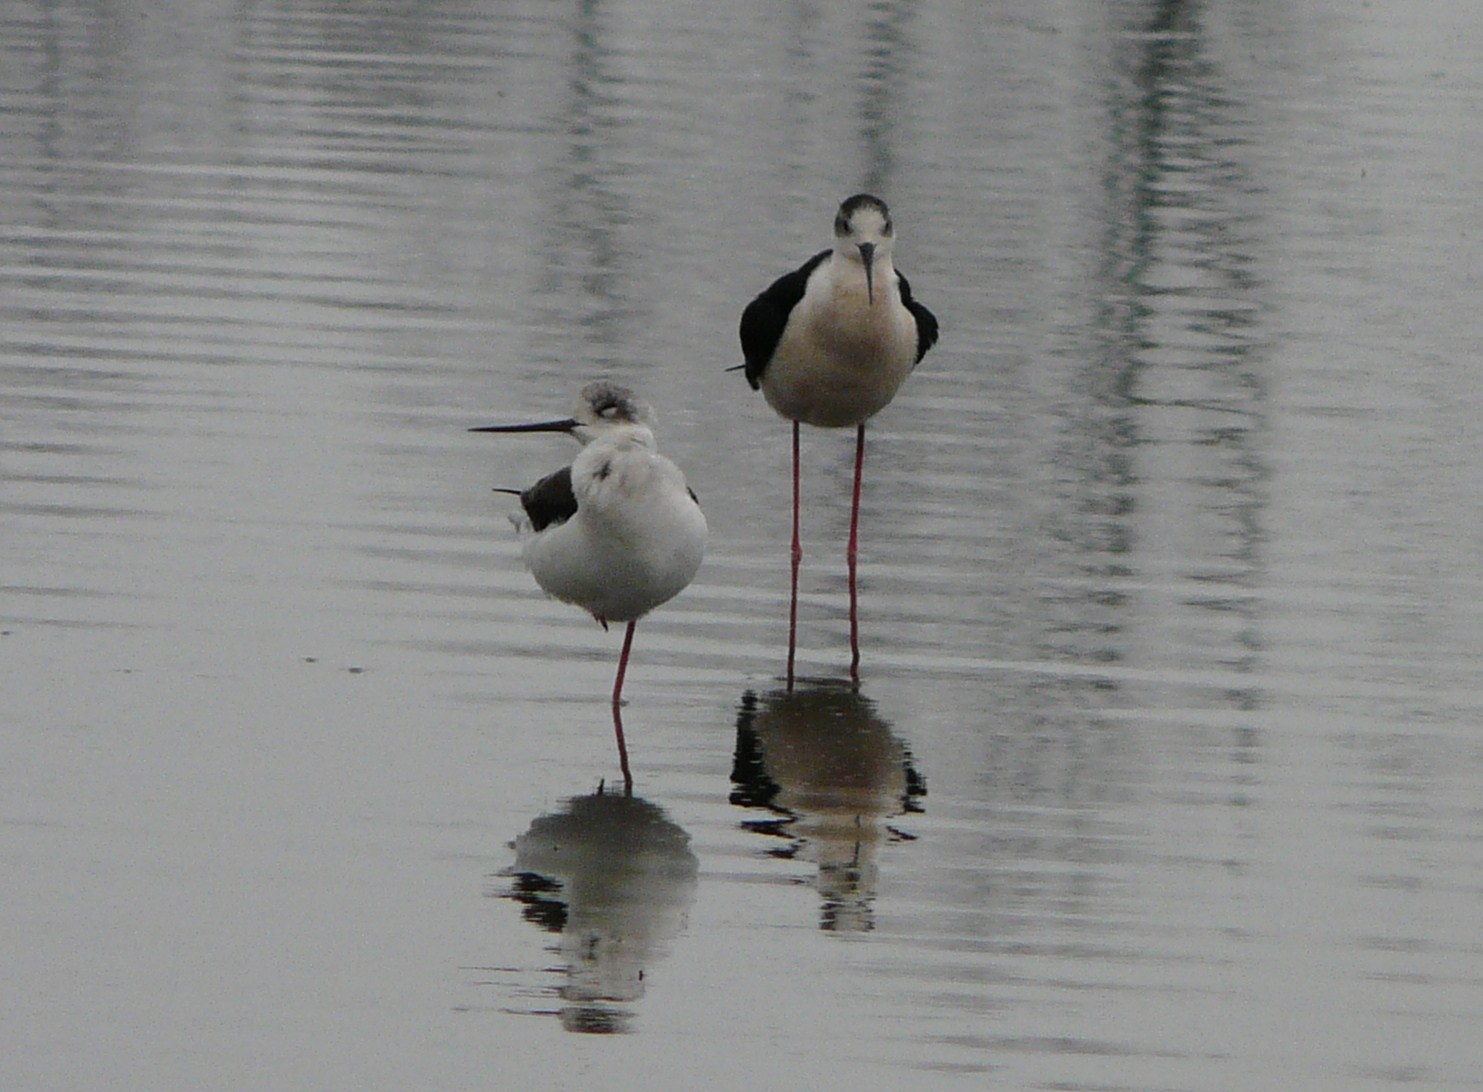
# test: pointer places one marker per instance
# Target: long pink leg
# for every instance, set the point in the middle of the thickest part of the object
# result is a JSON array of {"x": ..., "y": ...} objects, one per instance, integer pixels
[
  {"x": 797, "y": 557},
  {"x": 623, "y": 662},
  {"x": 622, "y": 750},
  {"x": 617, "y": 702},
  {"x": 852, "y": 553}
]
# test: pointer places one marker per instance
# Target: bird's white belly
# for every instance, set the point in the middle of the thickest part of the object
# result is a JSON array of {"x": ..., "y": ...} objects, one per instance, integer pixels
[
  {"x": 620, "y": 572},
  {"x": 840, "y": 365}
]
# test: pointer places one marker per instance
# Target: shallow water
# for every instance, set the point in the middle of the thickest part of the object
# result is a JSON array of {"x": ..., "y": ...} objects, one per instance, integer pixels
[{"x": 1164, "y": 771}]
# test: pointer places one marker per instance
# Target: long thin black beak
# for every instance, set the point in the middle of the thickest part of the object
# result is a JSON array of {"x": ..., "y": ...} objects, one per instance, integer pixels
[
  {"x": 867, "y": 255},
  {"x": 566, "y": 424}
]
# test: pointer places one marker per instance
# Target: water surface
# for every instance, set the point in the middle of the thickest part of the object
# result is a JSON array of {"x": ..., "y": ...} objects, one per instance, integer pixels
[{"x": 1164, "y": 769}]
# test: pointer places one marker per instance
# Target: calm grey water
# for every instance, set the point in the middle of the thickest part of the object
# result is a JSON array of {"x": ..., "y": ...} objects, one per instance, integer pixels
[{"x": 1166, "y": 769}]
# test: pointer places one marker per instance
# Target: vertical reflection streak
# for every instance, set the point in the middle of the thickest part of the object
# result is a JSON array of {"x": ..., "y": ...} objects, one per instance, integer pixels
[
  {"x": 585, "y": 258},
  {"x": 1161, "y": 459}
]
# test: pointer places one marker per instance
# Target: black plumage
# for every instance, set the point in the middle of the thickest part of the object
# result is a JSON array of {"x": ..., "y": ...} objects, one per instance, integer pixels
[
  {"x": 926, "y": 320},
  {"x": 550, "y": 501},
  {"x": 765, "y": 318}
]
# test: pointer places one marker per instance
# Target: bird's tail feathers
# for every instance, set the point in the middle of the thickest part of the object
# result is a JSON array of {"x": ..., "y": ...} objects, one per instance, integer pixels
[{"x": 519, "y": 520}]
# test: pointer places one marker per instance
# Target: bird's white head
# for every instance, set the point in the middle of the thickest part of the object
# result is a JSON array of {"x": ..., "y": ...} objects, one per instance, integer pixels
[
  {"x": 863, "y": 234},
  {"x": 601, "y": 408}
]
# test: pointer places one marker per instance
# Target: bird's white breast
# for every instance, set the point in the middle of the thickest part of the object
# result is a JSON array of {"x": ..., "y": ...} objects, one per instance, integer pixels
[
  {"x": 636, "y": 541},
  {"x": 842, "y": 356}
]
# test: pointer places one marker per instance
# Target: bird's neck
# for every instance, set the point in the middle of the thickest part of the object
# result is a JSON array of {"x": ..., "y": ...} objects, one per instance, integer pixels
[{"x": 847, "y": 285}]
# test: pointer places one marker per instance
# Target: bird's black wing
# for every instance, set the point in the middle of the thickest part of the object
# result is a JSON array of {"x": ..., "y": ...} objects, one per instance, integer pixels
[
  {"x": 765, "y": 318},
  {"x": 550, "y": 500},
  {"x": 926, "y": 320}
]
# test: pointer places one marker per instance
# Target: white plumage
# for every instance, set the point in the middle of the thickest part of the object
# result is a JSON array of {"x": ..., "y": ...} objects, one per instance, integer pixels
[
  {"x": 637, "y": 536},
  {"x": 618, "y": 532}
]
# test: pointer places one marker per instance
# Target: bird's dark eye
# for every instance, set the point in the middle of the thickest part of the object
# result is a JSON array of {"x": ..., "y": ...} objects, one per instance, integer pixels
[
  {"x": 887, "y": 229},
  {"x": 841, "y": 226}
]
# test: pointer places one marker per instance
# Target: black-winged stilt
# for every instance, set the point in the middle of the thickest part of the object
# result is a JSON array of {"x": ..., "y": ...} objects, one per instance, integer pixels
[
  {"x": 829, "y": 345},
  {"x": 617, "y": 532}
]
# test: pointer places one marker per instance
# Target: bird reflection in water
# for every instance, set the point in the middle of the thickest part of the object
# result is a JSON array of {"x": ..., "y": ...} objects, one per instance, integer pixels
[
  {"x": 833, "y": 772},
  {"x": 614, "y": 878}
]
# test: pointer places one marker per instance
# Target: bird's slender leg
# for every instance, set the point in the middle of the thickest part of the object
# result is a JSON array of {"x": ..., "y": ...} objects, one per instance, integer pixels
[
  {"x": 622, "y": 751},
  {"x": 797, "y": 558},
  {"x": 617, "y": 703},
  {"x": 623, "y": 663},
  {"x": 853, "y": 552}
]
